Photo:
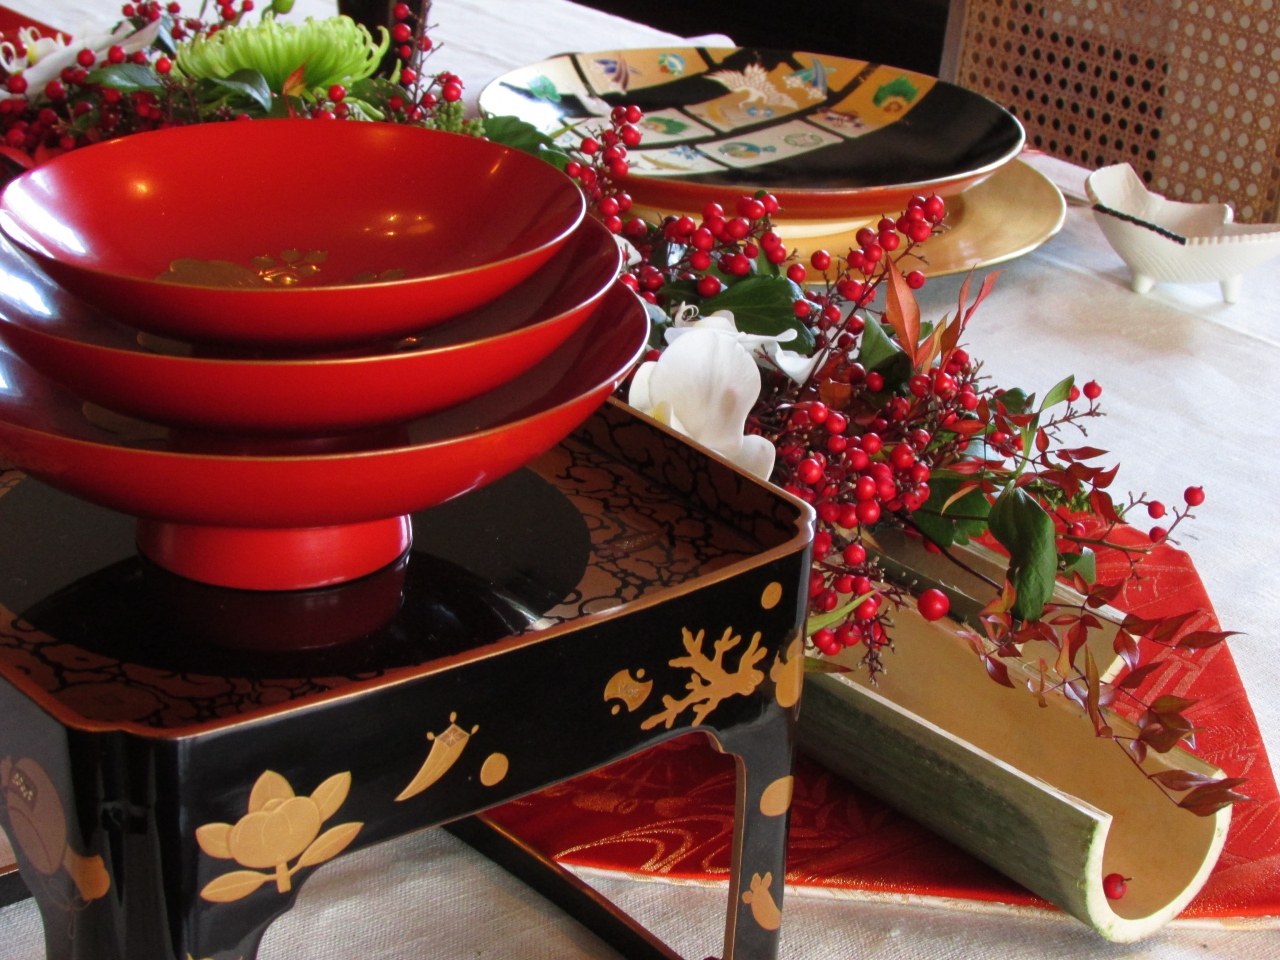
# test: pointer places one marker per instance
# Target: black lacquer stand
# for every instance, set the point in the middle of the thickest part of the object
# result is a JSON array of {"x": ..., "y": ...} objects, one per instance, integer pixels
[{"x": 177, "y": 759}]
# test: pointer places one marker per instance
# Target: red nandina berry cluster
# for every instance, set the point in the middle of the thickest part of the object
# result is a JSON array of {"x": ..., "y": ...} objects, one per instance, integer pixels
[
  {"x": 602, "y": 162},
  {"x": 413, "y": 46}
]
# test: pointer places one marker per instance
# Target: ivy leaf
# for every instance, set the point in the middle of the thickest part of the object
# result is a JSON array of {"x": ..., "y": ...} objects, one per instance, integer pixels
[
  {"x": 877, "y": 350},
  {"x": 516, "y": 133},
  {"x": 1059, "y": 392},
  {"x": 1084, "y": 563},
  {"x": 1023, "y": 528},
  {"x": 250, "y": 83},
  {"x": 937, "y": 518},
  {"x": 764, "y": 306},
  {"x": 126, "y": 77}
]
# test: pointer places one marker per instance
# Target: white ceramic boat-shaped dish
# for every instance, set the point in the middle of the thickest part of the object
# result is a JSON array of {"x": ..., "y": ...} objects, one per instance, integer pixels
[{"x": 1170, "y": 242}]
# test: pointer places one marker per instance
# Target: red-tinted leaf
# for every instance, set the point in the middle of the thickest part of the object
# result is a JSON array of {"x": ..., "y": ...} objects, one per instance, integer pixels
[
  {"x": 1133, "y": 679},
  {"x": 967, "y": 428},
  {"x": 1170, "y": 626},
  {"x": 24, "y": 160},
  {"x": 1095, "y": 711},
  {"x": 1104, "y": 593},
  {"x": 1127, "y": 649},
  {"x": 1042, "y": 440},
  {"x": 1212, "y": 797},
  {"x": 1137, "y": 749},
  {"x": 1162, "y": 738},
  {"x": 1205, "y": 638},
  {"x": 997, "y": 671},
  {"x": 988, "y": 282},
  {"x": 1138, "y": 626},
  {"x": 1181, "y": 779},
  {"x": 1082, "y": 586},
  {"x": 1077, "y": 636},
  {"x": 1081, "y": 453},
  {"x": 1101, "y": 504},
  {"x": 1065, "y": 619},
  {"x": 901, "y": 311},
  {"x": 295, "y": 84},
  {"x": 1103, "y": 480},
  {"x": 1169, "y": 704}
]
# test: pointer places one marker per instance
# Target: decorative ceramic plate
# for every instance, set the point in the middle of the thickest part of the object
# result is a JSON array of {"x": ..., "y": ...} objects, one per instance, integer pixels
[
  {"x": 832, "y": 137},
  {"x": 1009, "y": 214}
]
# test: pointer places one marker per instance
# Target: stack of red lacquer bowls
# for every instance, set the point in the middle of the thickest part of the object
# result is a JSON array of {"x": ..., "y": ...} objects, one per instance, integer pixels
[{"x": 273, "y": 341}]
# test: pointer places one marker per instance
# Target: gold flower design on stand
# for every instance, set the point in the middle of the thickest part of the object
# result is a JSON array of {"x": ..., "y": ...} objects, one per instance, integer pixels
[
  {"x": 278, "y": 827},
  {"x": 711, "y": 682}
]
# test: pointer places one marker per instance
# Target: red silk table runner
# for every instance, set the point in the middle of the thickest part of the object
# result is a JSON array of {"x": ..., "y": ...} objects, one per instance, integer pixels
[{"x": 668, "y": 813}]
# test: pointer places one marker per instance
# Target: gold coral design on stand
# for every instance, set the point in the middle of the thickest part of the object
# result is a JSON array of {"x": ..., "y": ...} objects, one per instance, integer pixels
[
  {"x": 630, "y": 690},
  {"x": 38, "y": 823},
  {"x": 763, "y": 908},
  {"x": 711, "y": 681},
  {"x": 446, "y": 748},
  {"x": 277, "y": 827},
  {"x": 788, "y": 675}
]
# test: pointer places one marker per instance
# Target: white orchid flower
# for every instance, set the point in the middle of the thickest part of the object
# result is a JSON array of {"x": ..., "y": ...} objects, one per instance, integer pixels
[
  {"x": 795, "y": 365},
  {"x": 49, "y": 56},
  {"x": 705, "y": 385}
]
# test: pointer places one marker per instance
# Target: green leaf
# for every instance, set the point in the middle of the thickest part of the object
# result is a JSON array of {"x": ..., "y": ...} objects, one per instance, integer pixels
[
  {"x": 1025, "y": 530},
  {"x": 516, "y": 133},
  {"x": 817, "y": 621},
  {"x": 250, "y": 83},
  {"x": 658, "y": 324},
  {"x": 127, "y": 77},
  {"x": 557, "y": 158},
  {"x": 876, "y": 350},
  {"x": 1084, "y": 564},
  {"x": 943, "y": 527},
  {"x": 681, "y": 291},
  {"x": 763, "y": 305},
  {"x": 1015, "y": 400},
  {"x": 1058, "y": 393}
]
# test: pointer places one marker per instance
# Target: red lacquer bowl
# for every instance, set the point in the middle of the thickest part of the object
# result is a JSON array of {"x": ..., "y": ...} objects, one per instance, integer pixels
[
  {"x": 288, "y": 232},
  {"x": 279, "y": 514},
  {"x": 230, "y": 388}
]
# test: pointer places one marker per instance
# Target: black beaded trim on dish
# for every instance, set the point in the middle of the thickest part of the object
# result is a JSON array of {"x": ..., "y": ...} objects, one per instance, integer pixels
[{"x": 1127, "y": 218}]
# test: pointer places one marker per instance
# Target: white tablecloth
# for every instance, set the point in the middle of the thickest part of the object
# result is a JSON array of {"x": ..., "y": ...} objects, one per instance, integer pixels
[{"x": 1191, "y": 388}]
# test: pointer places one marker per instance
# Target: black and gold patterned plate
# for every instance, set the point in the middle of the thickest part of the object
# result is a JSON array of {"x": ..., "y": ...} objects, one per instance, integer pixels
[{"x": 833, "y": 137}]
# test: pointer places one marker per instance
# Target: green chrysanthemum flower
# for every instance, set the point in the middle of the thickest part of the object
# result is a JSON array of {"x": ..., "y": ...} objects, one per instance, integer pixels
[{"x": 337, "y": 50}]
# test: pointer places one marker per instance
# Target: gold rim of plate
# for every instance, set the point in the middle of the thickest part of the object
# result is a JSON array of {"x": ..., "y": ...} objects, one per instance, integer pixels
[{"x": 1007, "y": 215}]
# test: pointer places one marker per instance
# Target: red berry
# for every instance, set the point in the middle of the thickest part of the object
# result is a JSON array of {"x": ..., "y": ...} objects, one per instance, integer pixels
[
  {"x": 1073, "y": 394},
  {"x": 700, "y": 260},
  {"x": 708, "y": 286},
  {"x": 86, "y": 58},
  {"x": 1194, "y": 496},
  {"x": 401, "y": 32},
  {"x": 738, "y": 265},
  {"x": 1155, "y": 510},
  {"x": 753, "y": 210},
  {"x": 631, "y": 136},
  {"x": 836, "y": 422},
  {"x": 138, "y": 57},
  {"x": 129, "y": 10},
  {"x": 821, "y": 260},
  {"x": 164, "y": 65},
  {"x": 902, "y": 456},
  {"x": 634, "y": 114},
  {"x": 400, "y": 11},
  {"x": 713, "y": 211},
  {"x": 796, "y": 273},
  {"x": 873, "y": 253},
  {"x": 17, "y": 83},
  {"x": 405, "y": 52},
  {"x": 1092, "y": 390},
  {"x": 848, "y": 518},
  {"x": 818, "y": 411},
  {"x": 408, "y": 76},
  {"x": 452, "y": 92},
  {"x": 826, "y": 637},
  {"x": 613, "y": 224},
  {"x": 875, "y": 382},
  {"x": 933, "y": 604},
  {"x": 868, "y": 512},
  {"x": 935, "y": 208},
  {"x": 865, "y": 237},
  {"x": 55, "y": 90},
  {"x": 864, "y": 489},
  {"x": 737, "y": 228},
  {"x": 855, "y": 554},
  {"x": 1157, "y": 534},
  {"x": 809, "y": 471},
  {"x": 324, "y": 115},
  {"x": 915, "y": 279},
  {"x": 890, "y": 241},
  {"x": 395, "y": 103},
  {"x": 919, "y": 231},
  {"x": 871, "y": 442},
  {"x": 1115, "y": 886},
  {"x": 868, "y": 608},
  {"x": 337, "y": 93}
]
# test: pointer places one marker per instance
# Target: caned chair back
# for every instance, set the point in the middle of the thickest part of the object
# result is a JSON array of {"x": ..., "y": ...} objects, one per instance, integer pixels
[{"x": 1184, "y": 90}]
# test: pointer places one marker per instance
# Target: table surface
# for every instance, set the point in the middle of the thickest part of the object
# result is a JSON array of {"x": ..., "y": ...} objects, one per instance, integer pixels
[{"x": 1189, "y": 387}]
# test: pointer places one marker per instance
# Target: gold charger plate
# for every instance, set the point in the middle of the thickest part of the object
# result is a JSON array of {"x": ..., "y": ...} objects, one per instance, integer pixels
[{"x": 1009, "y": 214}]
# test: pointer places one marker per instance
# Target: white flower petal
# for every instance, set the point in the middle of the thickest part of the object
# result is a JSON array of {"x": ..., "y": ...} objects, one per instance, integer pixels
[
  {"x": 712, "y": 384},
  {"x": 756, "y": 456},
  {"x": 795, "y": 365},
  {"x": 638, "y": 394}
]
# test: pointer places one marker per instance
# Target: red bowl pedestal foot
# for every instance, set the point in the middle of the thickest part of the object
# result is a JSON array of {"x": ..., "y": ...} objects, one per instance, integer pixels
[{"x": 274, "y": 559}]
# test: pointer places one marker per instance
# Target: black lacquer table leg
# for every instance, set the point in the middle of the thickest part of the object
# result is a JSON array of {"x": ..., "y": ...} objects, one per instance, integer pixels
[{"x": 558, "y": 885}]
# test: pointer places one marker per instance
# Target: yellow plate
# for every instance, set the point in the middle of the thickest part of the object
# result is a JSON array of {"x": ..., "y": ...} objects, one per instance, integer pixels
[{"x": 1010, "y": 213}]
